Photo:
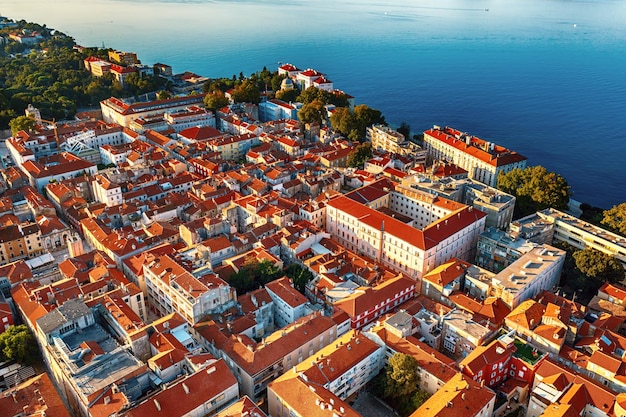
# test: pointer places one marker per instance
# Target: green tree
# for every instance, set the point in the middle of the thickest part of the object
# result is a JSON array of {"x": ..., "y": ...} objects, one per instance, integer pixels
[
  {"x": 615, "y": 219},
  {"x": 366, "y": 116},
  {"x": 277, "y": 80},
  {"x": 299, "y": 275},
  {"x": 343, "y": 121},
  {"x": 404, "y": 129},
  {"x": 242, "y": 281},
  {"x": 17, "y": 343},
  {"x": 267, "y": 272},
  {"x": 163, "y": 95},
  {"x": 354, "y": 124},
  {"x": 535, "y": 188},
  {"x": 312, "y": 112},
  {"x": 308, "y": 95},
  {"x": 247, "y": 92},
  {"x": 419, "y": 398},
  {"x": 359, "y": 155},
  {"x": 220, "y": 84},
  {"x": 339, "y": 99},
  {"x": 287, "y": 95},
  {"x": 401, "y": 376},
  {"x": 215, "y": 100},
  {"x": 22, "y": 123},
  {"x": 253, "y": 274},
  {"x": 591, "y": 214},
  {"x": 599, "y": 265}
]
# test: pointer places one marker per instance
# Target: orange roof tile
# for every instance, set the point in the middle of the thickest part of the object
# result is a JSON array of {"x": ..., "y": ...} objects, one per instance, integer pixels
[
  {"x": 187, "y": 394},
  {"x": 460, "y": 396}
]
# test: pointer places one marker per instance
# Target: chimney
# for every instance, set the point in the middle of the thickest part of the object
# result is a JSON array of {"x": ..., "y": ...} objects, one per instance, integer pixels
[
  {"x": 185, "y": 388},
  {"x": 107, "y": 400},
  {"x": 157, "y": 405}
]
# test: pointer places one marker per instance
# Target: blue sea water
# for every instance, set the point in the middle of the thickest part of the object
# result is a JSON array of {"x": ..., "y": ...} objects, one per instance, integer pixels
[{"x": 546, "y": 78}]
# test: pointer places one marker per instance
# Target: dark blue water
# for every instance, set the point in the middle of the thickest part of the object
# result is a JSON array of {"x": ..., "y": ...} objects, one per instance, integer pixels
[{"x": 546, "y": 78}]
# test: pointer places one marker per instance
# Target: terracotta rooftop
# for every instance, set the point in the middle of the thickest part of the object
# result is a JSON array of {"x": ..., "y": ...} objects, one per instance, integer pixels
[
  {"x": 460, "y": 396},
  {"x": 498, "y": 156}
]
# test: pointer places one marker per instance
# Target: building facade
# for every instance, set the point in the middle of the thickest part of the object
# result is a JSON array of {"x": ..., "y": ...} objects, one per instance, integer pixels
[{"x": 483, "y": 160}]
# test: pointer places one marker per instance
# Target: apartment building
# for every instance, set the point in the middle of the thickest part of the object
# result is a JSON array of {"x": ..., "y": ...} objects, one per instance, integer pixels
[
  {"x": 35, "y": 396},
  {"x": 342, "y": 367},
  {"x": 489, "y": 365},
  {"x": 170, "y": 287},
  {"x": 255, "y": 365},
  {"x": 202, "y": 393},
  {"x": 85, "y": 362},
  {"x": 20, "y": 241},
  {"x": 243, "y": 408},
  {"x": 126, "y": 58},
  {"x": 583, "y": 235},
  {"x": 56, "y": 168},
  {"x": 535, "y": 271},
  {"x": 297, "y": 397},
  {"x": 118, "y": 111},
  {"x": 434, "y": 368},
  {"x": 366, "y": 304},
  {"x": 483, "y": 160},
  {"x": 544, "y": 330},
  {"x": 442, "y": 281},
  {"x": 556, "y": 392},
  {"x": 497, "y": 249},
  {"x": 234, "y": 148},
  {"x": 288, "y": 304},
  {"x": 385, "y": 139},
  {"x": 106, "y": 191},
  {"x": 496, "y": 204},
  {"x": 275, "y": 109},
  {"x": 461, "y": 334},
  {"x": 402, "y": 245},
  {"x": 460, "y": 396}
]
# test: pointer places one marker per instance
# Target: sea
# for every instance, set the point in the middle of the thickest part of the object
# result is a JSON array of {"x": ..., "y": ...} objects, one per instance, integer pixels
[{"x": 546, "y": 78}]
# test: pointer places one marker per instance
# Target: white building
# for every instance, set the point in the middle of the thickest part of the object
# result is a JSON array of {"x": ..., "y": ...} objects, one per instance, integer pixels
[
  {"x": 289, "y": 304},
  {"x": 106, "y": 191},
  {"x": 171, "y": 288},
  {"x": 342, "y": 367},
  {"x": 483, "y": 160},
  {"x": 440, "y": 235},
  {"x": 535, "y": 271},
  {"x": 582, "y": 235},
  {"x": 386, "y": 139},
  {"x": 275, "y": 109},
  {"x": 123, "y": 113},
  {"x": 192, "y": 116}
]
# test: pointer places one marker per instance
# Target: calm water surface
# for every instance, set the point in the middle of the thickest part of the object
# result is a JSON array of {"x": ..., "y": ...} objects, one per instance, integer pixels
[{"x": 546, "y": 78}]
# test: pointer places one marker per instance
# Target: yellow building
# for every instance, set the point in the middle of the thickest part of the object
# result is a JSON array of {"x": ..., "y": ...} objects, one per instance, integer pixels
[{"x": 125, "y": 58}]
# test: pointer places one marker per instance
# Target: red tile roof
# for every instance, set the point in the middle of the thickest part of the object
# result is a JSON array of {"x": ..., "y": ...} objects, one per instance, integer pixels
[
  {"x": 308, "y": 399},
  {"x": 188, "y": 394},
  {"x": 500, "y": 156},
  {"x": 461, "y": 396},
  {"x": 365, "y": 298},
  {"x": 422, "y": 239},
  {"x": 253, "y": 358},
  {"x": 34, "y": 397},
  {"x": 283, "y": 289},
  {"x": 245, "y": 407},
  {"x": 613, "y": 291},
  {"x": 448, "y": 272}
]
